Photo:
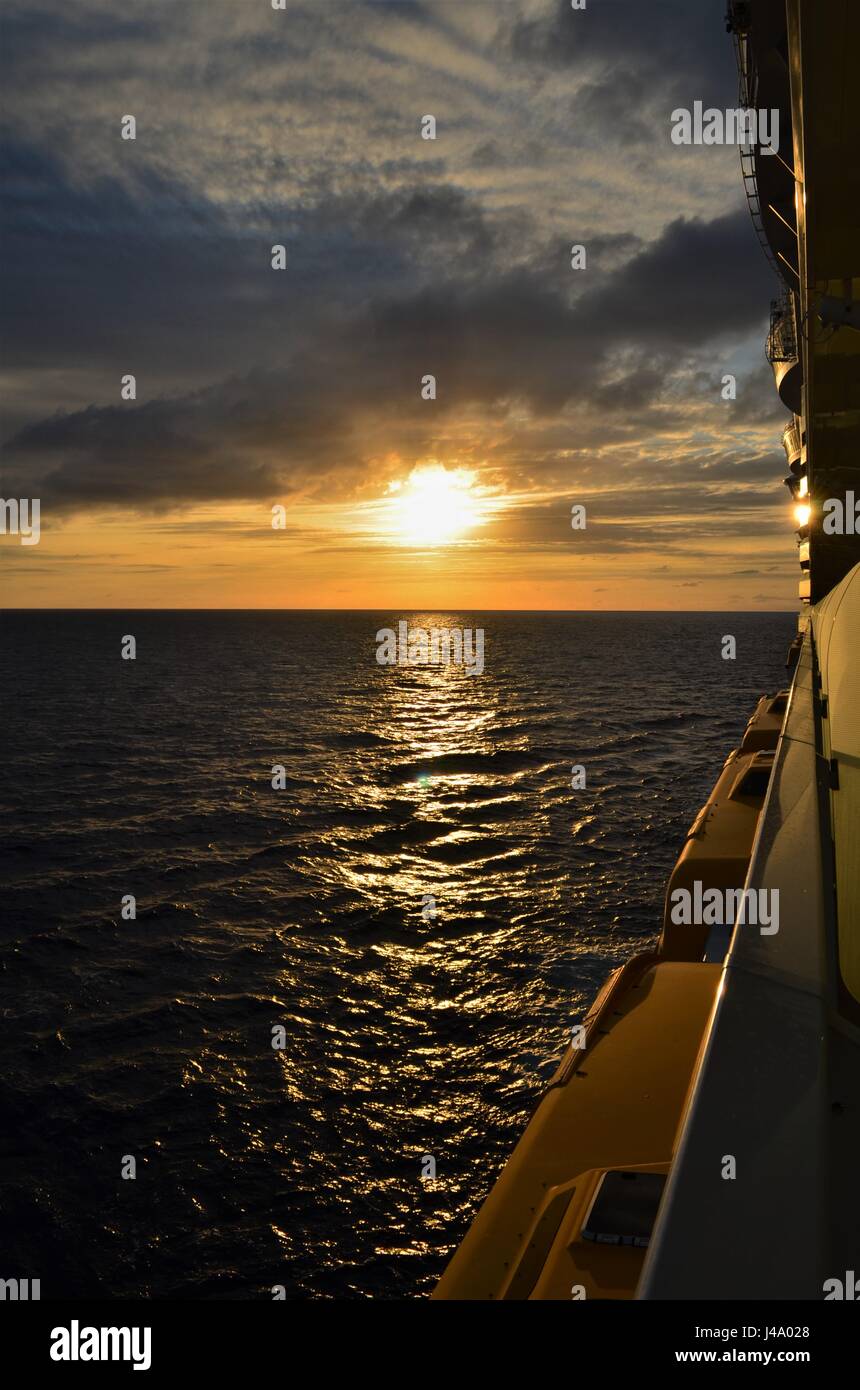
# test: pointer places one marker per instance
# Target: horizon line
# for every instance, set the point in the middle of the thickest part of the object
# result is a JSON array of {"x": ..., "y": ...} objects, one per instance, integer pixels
[{"x": 441, "y": 611}]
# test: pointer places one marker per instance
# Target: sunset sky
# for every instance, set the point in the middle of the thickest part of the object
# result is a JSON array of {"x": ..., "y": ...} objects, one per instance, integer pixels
[{"x": 405, "y": 257}]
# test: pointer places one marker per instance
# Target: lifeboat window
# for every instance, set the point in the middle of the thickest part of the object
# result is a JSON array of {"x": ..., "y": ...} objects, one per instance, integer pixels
[
  {"x": 779, "y": 702},
  {"x": 624, "y": 1208}
]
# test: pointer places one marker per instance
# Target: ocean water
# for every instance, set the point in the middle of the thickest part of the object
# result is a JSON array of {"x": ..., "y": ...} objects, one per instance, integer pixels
[{"x": 412, "y": 1026}]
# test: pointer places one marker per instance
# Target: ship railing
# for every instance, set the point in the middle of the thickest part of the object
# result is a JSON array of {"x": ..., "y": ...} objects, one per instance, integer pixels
[
  {"x": 782, "y": 339},
  {"x": 791, "y": 440},
  {"x": 738, "y": 25}
]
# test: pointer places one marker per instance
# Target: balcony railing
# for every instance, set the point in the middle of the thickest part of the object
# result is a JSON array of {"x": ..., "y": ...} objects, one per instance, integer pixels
[
  {"x": 738, "y": 21},
  {"x": 738, "y": 16},
  {"x": 782, "y": 339},
  {"x": 792, "y": 441}
]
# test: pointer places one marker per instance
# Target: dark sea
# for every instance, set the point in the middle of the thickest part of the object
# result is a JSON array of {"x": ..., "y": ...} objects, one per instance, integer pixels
[{"x": 425, "y": 907}]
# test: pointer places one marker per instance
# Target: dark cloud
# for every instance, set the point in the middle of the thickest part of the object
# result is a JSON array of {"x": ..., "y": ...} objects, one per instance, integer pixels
[
  {"x": 35, "y": 33},
  {"x": 757, "y": 401},
  {"x": 631, "y": 62},
  {"x": 665, "y": 38},
  {"x": 346, "y": 389},
  {"x": 256, "y": 385},
  {"x": 614, "y": 107},
  {"x": 699, "y": 282},
  {"x": 148, "y": 276}
]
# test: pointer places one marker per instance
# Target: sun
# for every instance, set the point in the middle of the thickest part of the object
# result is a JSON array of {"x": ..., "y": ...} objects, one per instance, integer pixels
[{"x": 434, "y": 506}]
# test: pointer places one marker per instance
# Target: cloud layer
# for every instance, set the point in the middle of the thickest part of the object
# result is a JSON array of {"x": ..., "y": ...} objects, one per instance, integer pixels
[{"x": 404, "y": 257}]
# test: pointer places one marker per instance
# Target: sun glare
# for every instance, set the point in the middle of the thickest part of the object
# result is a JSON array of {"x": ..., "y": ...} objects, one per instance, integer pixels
[{"x": 434, "y": 506}]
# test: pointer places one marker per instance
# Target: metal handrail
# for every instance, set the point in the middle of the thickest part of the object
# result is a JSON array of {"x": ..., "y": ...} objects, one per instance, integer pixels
[
  {"x": 737, "y": 22},
  {"x": 792, "y": 442},
  {"x": 781, "y": 345}
]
